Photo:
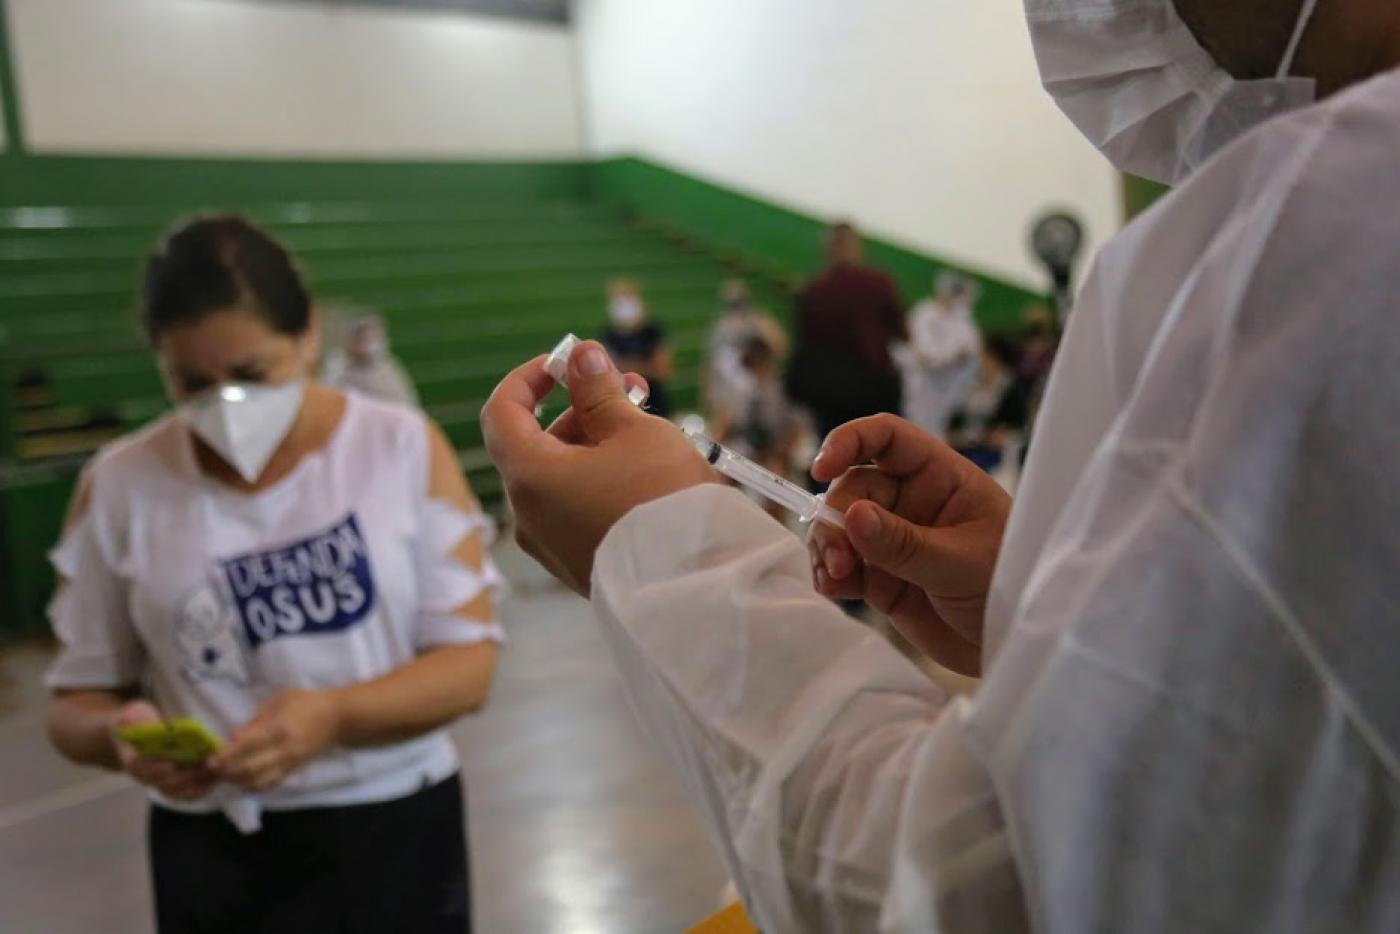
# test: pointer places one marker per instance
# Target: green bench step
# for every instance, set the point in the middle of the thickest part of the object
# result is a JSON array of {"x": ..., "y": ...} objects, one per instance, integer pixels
[{"x": 55, "y": 220}]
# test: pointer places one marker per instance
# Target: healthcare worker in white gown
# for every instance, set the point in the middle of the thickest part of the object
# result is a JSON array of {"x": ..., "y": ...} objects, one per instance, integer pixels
[
  {"x": 939, "y": 365},
  {"x": 1189, "y": 716}
]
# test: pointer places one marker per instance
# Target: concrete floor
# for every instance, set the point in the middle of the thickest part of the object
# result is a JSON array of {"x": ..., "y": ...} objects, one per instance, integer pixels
[{"x": 576, "y": 826}]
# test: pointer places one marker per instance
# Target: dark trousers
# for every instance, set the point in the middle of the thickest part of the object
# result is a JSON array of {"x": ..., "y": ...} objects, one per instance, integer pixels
[{"x": 393, "y": 866}]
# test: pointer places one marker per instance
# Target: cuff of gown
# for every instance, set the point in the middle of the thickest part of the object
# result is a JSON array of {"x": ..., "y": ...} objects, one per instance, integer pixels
[{"x": 700, "y": 526}]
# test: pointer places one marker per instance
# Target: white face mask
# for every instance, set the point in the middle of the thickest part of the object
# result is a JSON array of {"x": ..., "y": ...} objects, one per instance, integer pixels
[
  {"x": 1137, "y": 83},
  {"x": 245, "y": 423},
  {"x": 625, "y": 311}
]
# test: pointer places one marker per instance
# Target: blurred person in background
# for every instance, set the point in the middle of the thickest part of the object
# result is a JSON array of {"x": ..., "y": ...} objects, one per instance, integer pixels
[
  {"x": 759, "y": 422},
  {"x": 638, "y": 344},
  {"x": 994, "y": 411},
  {"x": 1035, "y": 356},
  {"x": 305, "y": 573},
  {"x": 366, "y": 365},
  {"x": 940, "y": 363},
  {"x": 847, "y": 318},
  {"x": 740, "y": 320}
]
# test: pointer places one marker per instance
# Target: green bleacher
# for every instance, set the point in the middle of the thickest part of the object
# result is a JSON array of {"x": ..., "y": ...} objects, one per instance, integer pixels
[
  {"x": 470, "y": 286},
  {"x": 476, "y": 266}
]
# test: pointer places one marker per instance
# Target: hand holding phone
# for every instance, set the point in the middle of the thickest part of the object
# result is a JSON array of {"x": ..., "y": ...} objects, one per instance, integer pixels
[
  {"x": 184, "y": 741},
  {"x": 168, "y": 756}
]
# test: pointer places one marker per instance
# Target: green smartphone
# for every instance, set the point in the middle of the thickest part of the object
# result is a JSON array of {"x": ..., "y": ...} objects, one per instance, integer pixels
[{"x": 184, "y": 741}]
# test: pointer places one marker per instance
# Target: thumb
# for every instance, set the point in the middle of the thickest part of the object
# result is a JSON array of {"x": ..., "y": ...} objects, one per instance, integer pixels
[
  {"x": 597, "y": 391},
  {"x": 894, "y": 544},
  {"x": 137, "y": 712}
]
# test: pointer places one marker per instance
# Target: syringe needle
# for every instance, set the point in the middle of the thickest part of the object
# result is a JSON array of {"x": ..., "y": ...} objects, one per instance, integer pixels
[{"x": 764, "y": 482}]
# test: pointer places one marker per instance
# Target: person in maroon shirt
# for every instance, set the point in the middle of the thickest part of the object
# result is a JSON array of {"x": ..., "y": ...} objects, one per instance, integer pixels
[{"x": 847, "y": 317}]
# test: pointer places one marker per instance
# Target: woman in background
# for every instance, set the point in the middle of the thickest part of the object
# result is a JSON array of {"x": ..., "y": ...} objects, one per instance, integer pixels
[
  {"x": 305, "y": 573},
  {"x": 740, "y": 321},
  {"x": 759, "y": 422},
  {"x": 637, "y": 344}
]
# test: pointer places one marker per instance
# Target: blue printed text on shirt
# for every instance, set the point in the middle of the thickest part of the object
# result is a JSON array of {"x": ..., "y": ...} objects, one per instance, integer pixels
[{"x": 321, "y": 584}]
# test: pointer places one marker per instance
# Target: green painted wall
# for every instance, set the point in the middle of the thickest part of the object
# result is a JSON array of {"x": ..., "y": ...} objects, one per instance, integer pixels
[
  {"x": 782, "y": 243},
  {"x": 79, "y": 180}
]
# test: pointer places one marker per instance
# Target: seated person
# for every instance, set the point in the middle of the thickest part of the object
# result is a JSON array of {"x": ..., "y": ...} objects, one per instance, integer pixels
[
  {"x": 637, "y": 344},
  {"x": 739, "y": 321},
  {"x": 760, "y": 422},
  {"x": 366, "y": 365},
  {"x": 994, "y": 410}
]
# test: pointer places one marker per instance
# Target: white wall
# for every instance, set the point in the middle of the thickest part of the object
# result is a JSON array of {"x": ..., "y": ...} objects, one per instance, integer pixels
[
  {"x": 232, "y": 77},
  {"x": 922, "y": 119}
]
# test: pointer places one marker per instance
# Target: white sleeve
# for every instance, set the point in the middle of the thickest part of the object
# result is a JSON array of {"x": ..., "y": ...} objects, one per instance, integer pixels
[
  {"x": 920, "y": 323},
  {"x": 444, "y": 583},
  {"x": 99, "y": 648},
  {"x": 830, "y": 770}
]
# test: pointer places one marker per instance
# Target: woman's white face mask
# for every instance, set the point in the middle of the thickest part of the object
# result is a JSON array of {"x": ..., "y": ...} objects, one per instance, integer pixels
[
  {"x": 625, "y": 311},
  {"x": 1137, "y": 83},
  {"x": 244, "y": 423}
]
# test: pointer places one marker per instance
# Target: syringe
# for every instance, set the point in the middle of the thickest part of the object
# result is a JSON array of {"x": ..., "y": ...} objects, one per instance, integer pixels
[
  {"x": 764, "y": 482},
  {"x": 734, "y": 466}
]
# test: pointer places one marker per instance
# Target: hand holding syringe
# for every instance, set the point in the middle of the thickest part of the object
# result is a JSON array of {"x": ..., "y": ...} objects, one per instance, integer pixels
[
  {"x": 764, "y": 482},
  {"x": 736, "y": 467}
]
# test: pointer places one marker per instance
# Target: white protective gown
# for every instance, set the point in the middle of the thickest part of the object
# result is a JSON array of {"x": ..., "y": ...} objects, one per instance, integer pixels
[
  {"x": 939, "y": 365},
  {"x": 1191, "y": 712}
]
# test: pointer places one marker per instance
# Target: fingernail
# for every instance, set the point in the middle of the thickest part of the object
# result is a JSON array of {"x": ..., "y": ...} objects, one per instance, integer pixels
[
  {"x": 593, "y": 362},
  {"x": 821, "y": 579},
  {"x": 864, "y": 523},
  {"x": 831, "y": 554}
]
